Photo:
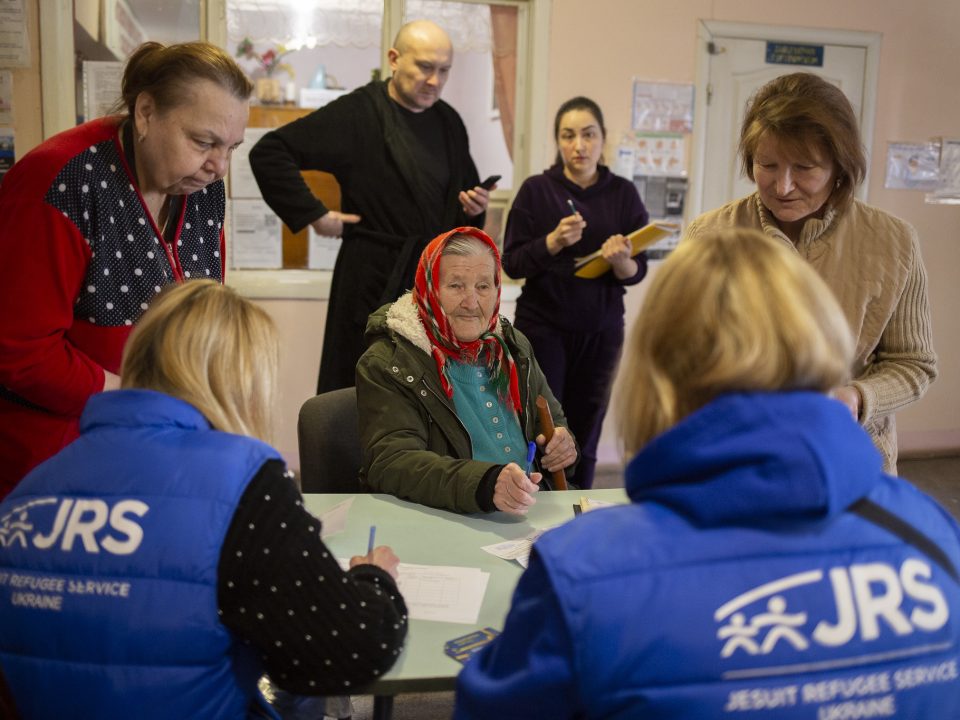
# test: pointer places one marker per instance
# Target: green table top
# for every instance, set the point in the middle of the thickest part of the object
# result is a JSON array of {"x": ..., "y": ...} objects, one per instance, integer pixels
[{"x": 427, "y": 536}]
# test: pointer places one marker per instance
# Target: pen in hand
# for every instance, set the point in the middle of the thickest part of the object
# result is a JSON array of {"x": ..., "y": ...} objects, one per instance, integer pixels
[
  {"x": 531, "y": 453},
  {"x": 573, "y": 208},
  {"x": 373, "y": 536}
]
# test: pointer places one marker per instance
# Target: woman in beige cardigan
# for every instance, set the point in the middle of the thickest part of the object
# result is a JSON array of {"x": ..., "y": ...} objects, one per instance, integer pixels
[{"x": 800, "y": 144}]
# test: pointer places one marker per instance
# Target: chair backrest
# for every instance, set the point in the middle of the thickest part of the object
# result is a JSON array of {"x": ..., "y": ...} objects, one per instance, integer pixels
[{"x": 329, "y": 438}]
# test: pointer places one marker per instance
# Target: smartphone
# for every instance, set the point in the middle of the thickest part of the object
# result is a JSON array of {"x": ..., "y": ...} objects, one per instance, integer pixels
[{"x": 490, "y": 182}]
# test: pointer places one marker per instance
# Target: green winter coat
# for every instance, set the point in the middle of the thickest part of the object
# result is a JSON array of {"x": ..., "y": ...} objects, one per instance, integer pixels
[{"x": 413, "y": 445}]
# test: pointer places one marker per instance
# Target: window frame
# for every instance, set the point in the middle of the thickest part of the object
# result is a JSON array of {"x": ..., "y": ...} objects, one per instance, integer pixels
[{"x": 531, "y": 137}]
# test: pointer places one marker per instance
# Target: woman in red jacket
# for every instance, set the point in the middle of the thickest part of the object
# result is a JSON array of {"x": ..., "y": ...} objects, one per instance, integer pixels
[{"x": 94, "y": 222}]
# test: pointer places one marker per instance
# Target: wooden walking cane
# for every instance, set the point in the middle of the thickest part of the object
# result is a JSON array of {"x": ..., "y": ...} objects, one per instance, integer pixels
[{"x": 546, "y": 425}]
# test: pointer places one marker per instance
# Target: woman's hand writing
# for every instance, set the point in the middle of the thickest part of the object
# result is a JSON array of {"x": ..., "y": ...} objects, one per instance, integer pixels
[
  {"x": 382, "y": 556},
  {"x": 514, "y": 491},
  {"x": 568, "y": 232}
]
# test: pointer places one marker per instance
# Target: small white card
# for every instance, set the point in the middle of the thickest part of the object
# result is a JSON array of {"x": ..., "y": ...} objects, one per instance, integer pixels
[
  {"x": 518, "y": 550},
  {"x": 334, "y": 520}
]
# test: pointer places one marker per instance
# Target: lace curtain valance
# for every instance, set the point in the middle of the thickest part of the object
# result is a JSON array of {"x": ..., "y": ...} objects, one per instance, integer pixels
[{"x": 348, "y": 23}]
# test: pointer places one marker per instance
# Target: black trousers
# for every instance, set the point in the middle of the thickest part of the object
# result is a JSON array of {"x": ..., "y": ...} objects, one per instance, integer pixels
[{"x": 580, "y": 369}]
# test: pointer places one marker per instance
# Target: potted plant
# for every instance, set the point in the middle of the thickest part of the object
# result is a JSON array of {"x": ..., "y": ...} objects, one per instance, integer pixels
[{"x": 268, "y": 89}]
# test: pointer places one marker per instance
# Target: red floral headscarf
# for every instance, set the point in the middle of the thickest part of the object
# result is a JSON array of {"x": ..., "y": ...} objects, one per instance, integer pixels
[{"x": 489, "y": 348}]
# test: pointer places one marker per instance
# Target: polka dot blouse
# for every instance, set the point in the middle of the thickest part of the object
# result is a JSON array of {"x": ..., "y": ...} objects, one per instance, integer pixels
[
  {"x": 319, "y": 630},
  {"x": 129, "y": 262}
]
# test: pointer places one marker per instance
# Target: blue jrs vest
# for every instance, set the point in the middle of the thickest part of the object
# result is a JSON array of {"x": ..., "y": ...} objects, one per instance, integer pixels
[{"x": 108, "y": 568}]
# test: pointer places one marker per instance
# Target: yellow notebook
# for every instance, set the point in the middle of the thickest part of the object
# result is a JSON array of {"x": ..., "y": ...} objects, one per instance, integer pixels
[{"x": 593, "y": 265}]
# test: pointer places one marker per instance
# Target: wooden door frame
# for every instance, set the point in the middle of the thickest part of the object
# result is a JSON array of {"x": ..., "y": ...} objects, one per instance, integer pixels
[{"x": 707, "y": 30}]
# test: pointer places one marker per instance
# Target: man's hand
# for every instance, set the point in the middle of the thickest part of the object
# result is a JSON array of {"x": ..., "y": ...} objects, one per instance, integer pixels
[
  {"x": 331, "y": 224},
  {"x": 560, "y": 452},
  {"x": 474, "y": 201},
  {"x": 514, "y": 491}
]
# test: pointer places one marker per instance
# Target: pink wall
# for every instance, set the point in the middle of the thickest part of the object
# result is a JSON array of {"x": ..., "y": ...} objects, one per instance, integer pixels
[{"x": 598, "y": 48}]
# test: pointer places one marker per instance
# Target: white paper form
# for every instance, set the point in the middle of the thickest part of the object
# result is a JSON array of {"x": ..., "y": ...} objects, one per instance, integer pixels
[
  {"x": 518, "y": 550},
  {"x": 6, "y": 97},
  {"x": 321, "y": 250},
  {"x": 256, "y": 238},
  {"x": 242, "y": 182},
  {"x": 101, "y": 87},
  {"x": 440, "y": 593},
  {"x": 443, "y": 593},
  {"x": 14, "y": 48},
  {"x": 334, "y": 520}
]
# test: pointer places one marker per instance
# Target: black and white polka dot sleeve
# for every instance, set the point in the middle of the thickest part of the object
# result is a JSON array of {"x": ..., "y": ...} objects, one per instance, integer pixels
[{"x": 319, "y": 630}]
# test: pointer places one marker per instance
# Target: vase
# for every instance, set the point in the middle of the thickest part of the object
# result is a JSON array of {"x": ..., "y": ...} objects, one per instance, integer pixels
[{"x": 268, "y": 90}]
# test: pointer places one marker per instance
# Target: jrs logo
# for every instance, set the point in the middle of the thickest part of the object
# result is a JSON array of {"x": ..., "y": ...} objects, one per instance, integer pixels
[
  {"x": 65, "y": 523},
  {"x": 869, "y": 599}
]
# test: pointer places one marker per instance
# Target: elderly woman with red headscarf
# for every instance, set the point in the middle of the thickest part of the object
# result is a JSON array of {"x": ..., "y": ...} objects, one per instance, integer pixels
[{"x": 447, "y": 390}]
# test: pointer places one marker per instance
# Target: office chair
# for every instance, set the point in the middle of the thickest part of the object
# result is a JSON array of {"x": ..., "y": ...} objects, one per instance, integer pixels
[{"x": 329, "y": 439}]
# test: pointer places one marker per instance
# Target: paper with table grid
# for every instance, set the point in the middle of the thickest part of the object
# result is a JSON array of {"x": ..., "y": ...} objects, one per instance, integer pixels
[{"x": 441, "y": 593}]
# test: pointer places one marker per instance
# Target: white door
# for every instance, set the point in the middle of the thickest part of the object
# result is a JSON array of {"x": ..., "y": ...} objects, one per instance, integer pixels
[{"x": 735, "y": 61}]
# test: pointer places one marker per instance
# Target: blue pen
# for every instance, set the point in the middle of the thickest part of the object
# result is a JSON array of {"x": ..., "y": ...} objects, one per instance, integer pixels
[
  {"x": 573, "y": 208},
  {"x": 373, "y": 535},
  {"x": 531, "y": 453}
]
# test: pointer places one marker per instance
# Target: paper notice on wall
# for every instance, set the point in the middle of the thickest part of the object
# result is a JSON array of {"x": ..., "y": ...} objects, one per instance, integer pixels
[
  {"x": 6, "y": 97},
  {"x": 660, "y": 154},
  {"x": 7, "y": 152},
  {"x": 912, "y": 166},
  {"x": 242, "y": 182},
  {"x": 626, "y": 158},
  {"x": 662, "y": 107},
  {"x": 14, "y": 48},
  {"x": 101, "y": 87},
  {"x": 948, "y": 175},
  {"x": 256, "y": 237},
  {"x": 321, "y": 250}
]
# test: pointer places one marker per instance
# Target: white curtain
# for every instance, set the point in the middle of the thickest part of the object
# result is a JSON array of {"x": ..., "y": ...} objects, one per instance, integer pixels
[{"x": 348, "y": 23}]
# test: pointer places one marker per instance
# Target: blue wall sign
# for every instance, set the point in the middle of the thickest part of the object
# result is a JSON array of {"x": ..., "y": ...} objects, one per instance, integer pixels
[{"x": 779, "y": 53}]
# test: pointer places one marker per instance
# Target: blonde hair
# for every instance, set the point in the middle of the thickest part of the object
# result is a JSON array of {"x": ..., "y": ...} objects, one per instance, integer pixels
[
  {"x": 733, "y": 311},
  {"x": 204, "y": 344}
]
